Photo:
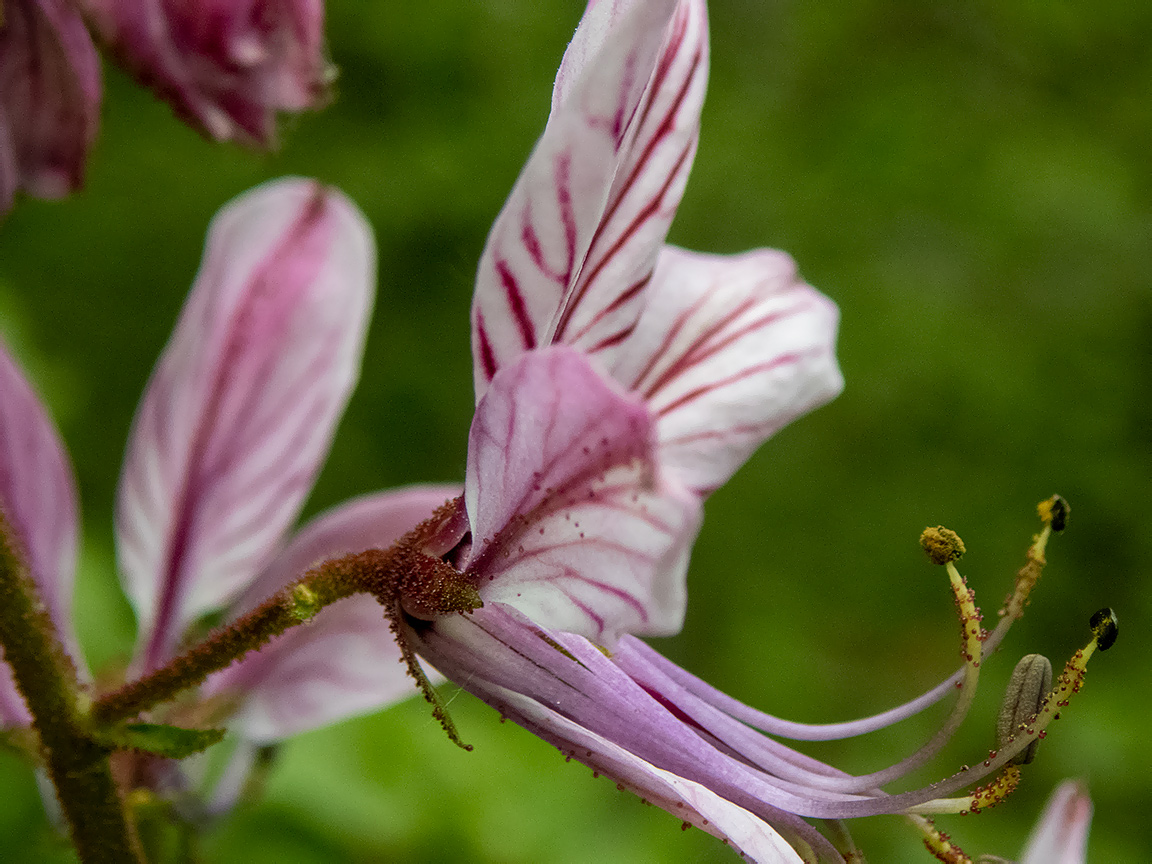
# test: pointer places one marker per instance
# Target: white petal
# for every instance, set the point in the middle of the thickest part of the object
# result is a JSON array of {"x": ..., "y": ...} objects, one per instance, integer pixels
[
  {"x": 729, "y": 349},
  {"x": 241, "y": 408}
]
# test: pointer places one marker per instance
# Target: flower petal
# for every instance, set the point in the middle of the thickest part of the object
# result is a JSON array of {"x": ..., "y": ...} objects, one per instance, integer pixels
[
  {"x": 49, "y": 99},
  {"x": 241, "y": 408},
  {"x": 226, "y": 68},
  {"x": 729, "y": 349},
  {"x": 576, "y": 241},
  {"x": 38, "y": 497},
  {"x": 569, "y": 692},
  {"x": 345, "y": 661},
  {"x": 694, "y": 803},
  {"x": 1061, "y": 835},
  {"x": 572, "y": 522}
]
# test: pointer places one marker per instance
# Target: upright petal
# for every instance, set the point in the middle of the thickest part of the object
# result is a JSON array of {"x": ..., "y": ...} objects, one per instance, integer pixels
[
  {"x": 344, "y": 662},
  {"x": 575, "y": 243},
  {"x": 49, "y": 99},
  {"x": 226, "y": 67},
  {"x": 38, "y": 497},
  {"x": 572, "y": 521},
  {"x": 1061, "y": 835},
  {"x": 241, "y": 408},
  {"x": 728, "y": 350}
]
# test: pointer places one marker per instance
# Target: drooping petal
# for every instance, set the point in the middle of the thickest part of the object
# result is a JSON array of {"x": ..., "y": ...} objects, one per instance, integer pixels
[
  {"x": 728, "y": 350},
  {"x": 38, "y": 497},
  {"x": 572, "y": 521},
  {"x": 567, "y": 691},
  {"x": 49, "y": 99},
  {"x": 1061, "y": 835},
  {"x": 241, "y": 408},
  {"x": 753, "y": 839},
  {"x": 226, "y": 67},
  {"x": 568, "y": 255},
  {"x": 345, "y": 661}
]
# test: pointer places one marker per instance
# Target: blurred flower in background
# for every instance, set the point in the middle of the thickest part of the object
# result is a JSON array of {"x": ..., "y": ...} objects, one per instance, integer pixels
[
  {"x": 225, "y": 68},
  {"x": 228, "y": 438},
  {"x": 1061, "y": 834}
]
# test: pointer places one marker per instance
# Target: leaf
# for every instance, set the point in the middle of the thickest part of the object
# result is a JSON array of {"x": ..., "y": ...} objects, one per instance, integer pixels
[{"x": 172, "y": 742}]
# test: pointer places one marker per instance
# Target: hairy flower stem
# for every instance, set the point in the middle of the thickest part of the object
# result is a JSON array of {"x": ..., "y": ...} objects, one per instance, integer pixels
[
  {"x": 78, "y": 766},
  {"x": 319, "y": 587}
]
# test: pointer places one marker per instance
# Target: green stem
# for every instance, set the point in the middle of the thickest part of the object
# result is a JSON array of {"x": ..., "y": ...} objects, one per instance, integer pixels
[
  {"x": 46, "y": 679},
  {"x": 323, "y": 585}
]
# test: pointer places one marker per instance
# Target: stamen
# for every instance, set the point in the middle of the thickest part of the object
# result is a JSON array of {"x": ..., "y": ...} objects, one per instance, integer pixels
[
  {"x": 1054, "y": 514},
  {"x": 938, "y": 843},
  {"x": 1105, "y": 628}
]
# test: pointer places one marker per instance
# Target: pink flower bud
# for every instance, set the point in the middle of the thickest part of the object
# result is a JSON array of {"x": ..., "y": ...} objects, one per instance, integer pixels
[
  {"x": 49, "y": 99},
  {"x": 226, "y": 66}
]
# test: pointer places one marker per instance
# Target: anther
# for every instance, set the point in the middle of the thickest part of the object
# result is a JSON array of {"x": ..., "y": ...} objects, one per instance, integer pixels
[
  {"x": 1105, "y": 627},
  {"x": 941, "y": 544},
  {"x": 1054, "y": 511},
  {"x": 1031, "y": 681}
]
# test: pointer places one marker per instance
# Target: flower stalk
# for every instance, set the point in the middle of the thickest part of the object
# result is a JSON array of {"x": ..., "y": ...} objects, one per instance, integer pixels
[
  {"x": 299, "y": 602},
  {"x": 46, "y": 678}
]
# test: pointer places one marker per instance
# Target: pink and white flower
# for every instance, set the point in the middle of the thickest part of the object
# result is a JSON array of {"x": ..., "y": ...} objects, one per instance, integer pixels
[
  {"x": 229, "y": 436},
  {"x": 226, "y": 68}
]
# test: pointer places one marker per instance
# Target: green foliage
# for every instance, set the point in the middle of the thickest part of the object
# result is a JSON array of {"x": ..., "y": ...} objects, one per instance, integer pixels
[
  {"x": 172, "y": 742},
  {"x": 970, "y": 182}
]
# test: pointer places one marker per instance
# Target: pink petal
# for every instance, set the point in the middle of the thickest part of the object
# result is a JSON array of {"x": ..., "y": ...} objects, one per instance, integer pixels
[
  {"x": 568, "y": 255},
  {"x": 38, "y": 497},
  {"x": 569, "y": 692},
  {"x": 243, "y": 403},
  {"x": 345, "y": 661},
  {"x": 1061, "y": 835},
  {"x": 49, "y": 99},
  {"x": 225, "y": 67},
  {"x": 572, "y": 522},
  {"x": 729, "y": 349},
  {"x": 694, "y": 803}
]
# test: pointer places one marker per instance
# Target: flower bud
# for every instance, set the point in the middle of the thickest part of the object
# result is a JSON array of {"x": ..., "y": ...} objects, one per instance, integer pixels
[
  {"x": 226, "y": 68},
  {"x": 49, "y": 99}
]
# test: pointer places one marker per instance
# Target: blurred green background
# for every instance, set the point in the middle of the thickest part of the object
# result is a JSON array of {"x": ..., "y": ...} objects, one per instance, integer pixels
[{"x": 969, "y": 181}]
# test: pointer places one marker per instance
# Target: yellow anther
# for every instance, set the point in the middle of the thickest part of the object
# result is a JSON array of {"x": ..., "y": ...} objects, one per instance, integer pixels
[
  {"x": 1054, "y": 511},
  {"x": 941, "y": 545}
]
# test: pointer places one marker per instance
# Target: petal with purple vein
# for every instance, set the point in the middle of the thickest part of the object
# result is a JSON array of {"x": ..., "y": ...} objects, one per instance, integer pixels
[
  {"x": 241, "y": 408},
  {"x": 539, "y": 242},
  {"x": 729, "y": 349},
  {"x": 572, "y": 521}
]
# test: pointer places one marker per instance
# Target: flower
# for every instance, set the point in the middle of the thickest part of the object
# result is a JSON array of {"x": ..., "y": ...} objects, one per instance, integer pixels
[
  {"x": 232, "y": 429},
  {"x": 226, "y": 69},
  {"x": 1061, "y": 834},
  {"x": 49, "y": 99}
]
